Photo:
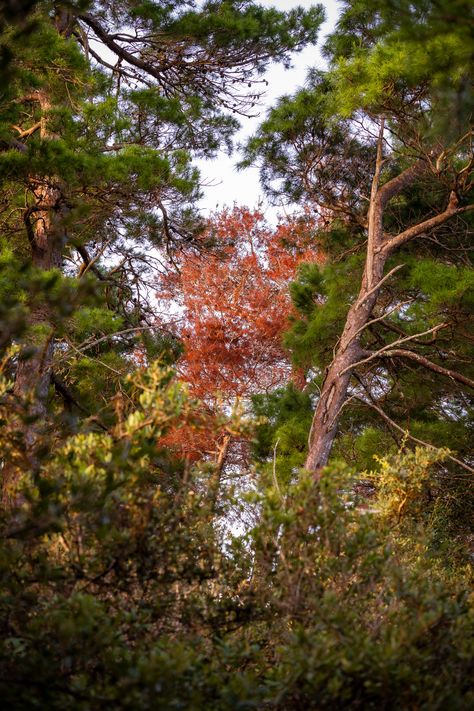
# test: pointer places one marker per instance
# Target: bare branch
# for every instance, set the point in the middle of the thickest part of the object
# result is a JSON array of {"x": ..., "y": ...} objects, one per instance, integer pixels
[
  {"x": 382, "y": 317},
  {"x": 400, "y": 182},
  {"x": 274, "y": 474},
  {"x": 454, "y": 375},
  {"x": 377, "y": 354},
  {"x": 377, "y": 286},
  {"x": 96, "y": 360},
  {"x": 392, "y": 243},
  {"x": 393, "y": 424},
  {"x": 90, "y": 264},
  {"x": 91, "y": 344},
  {"x": 27, "y": 132},
  {"x": 223, "y": 452},
  {"x": 375, "y": 215}
]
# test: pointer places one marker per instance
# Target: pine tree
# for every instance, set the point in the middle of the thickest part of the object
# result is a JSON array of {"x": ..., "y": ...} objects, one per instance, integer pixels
[
  {"x": 105, "y": 105},
  {"x": 121, "y": 585},
  {"x": 382, "y": 144}
]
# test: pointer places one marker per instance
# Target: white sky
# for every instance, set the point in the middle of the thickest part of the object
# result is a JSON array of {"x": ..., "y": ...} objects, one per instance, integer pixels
[{"x": 226, "y": 185}]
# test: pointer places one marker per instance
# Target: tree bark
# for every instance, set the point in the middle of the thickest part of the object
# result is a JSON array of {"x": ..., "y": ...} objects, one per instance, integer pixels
[{"x": 46, "y": 242}]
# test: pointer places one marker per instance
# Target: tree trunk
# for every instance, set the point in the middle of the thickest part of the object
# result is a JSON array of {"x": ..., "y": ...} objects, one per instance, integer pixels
[
  {"x": 46, "y": 240},
  {"x": 45, "y": 231},
  {"x": 336, "y": 382}
]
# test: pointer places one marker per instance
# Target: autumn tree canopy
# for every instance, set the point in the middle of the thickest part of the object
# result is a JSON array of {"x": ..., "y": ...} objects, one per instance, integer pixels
[
  {"x": 234, "y": 304},
  {"x": 229, "y": 305}
]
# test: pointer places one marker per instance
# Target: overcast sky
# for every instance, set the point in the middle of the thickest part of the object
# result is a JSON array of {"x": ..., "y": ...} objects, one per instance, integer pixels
[{"x": 226, "y": 185}]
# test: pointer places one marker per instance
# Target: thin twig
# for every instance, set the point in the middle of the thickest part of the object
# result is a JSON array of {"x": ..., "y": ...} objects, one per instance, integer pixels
[
  {"x": 429, "y": 365},
  {"x": 96, "y": 360},
  {"x": 382, "y": 317},
  {"x": 86, "y": 345},
  {"x": 379, "y": 284}
]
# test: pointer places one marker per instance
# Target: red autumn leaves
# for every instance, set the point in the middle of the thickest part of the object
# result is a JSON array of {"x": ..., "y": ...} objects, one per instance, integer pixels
[{"x": 229, "y": 304}]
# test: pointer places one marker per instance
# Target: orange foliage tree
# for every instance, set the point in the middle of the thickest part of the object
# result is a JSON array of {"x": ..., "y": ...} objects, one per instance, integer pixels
[{"x": 230, "y": 306}]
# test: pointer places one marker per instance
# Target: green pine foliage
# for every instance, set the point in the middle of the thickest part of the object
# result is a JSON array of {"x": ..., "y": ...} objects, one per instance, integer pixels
[
  {"x": 322, "y": 295},
  {"x": 281, "y": 436}
]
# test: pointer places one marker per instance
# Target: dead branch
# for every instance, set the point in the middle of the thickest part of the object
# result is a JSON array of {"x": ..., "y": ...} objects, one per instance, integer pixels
[
  {"x": 454, "y": 375},
  {"x": 377, "y": 354}
]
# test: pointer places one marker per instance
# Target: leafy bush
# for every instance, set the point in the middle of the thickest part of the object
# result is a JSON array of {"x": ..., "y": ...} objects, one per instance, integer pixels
[{"x": 118, "y": 590}]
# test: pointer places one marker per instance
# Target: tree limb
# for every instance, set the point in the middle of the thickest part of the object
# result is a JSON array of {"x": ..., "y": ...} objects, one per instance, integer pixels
[
  {"x": 23, "y": 133},
  {"x": 454, "y": 375},
  {"x": 376, "y": 354},
  {"x": 400, "y": 182},
  {"x": 120, "y": 51},
  {"x": 392, "y": 243},
  {"x": 89, "y": 263},
  {"x": 393, "y": 424}
]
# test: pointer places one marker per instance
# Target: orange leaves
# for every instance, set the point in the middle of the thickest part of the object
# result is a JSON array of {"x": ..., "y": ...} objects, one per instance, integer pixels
[{"x": 231, "y": 307}]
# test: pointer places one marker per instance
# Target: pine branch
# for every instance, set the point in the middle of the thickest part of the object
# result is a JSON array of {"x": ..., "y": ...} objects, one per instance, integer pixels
[{"x": 150, "y": 69}]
